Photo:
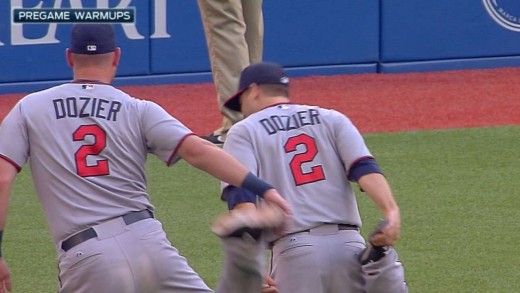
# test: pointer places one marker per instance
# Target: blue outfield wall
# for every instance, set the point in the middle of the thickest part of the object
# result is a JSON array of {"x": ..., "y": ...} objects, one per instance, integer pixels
[
  {"x": 166, "y": 44},
  {"x": 447, "y": 34}
]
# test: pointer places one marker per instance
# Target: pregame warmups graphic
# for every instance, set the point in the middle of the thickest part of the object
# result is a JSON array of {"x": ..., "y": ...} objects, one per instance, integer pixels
[
  {"x": 89, "y": 15},
  {"x": 504, "y": 12}
]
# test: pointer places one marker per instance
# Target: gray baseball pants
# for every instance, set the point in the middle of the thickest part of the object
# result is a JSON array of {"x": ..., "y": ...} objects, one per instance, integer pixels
[
  {"x": 140, "y": 258},
  {"x": 326, "y": 260}
]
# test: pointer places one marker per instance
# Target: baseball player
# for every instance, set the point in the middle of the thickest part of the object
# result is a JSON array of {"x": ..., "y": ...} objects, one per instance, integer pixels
[
  {"x": 312, "y": 155},
  {"x": 87, "y": 143}
]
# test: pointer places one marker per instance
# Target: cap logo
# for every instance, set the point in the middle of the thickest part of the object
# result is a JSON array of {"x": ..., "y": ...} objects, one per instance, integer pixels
[
  {"x": 91, "y": 48},
  {"x": 284, "y": 80}
]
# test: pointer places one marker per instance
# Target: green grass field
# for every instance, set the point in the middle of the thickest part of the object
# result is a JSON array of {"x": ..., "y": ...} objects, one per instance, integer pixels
[{"x": 459, "y": 193}]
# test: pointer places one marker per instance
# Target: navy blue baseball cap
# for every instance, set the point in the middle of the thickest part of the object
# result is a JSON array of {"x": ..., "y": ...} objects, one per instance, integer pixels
[
  {"x": 259, "y": 73},
  {"x": 92, "y": 39}
]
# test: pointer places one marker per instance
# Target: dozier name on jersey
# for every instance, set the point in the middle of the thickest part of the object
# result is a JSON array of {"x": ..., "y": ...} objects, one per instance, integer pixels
[
  {"x": 82, "y": 107},
  {"x": 277, "y": 123}
]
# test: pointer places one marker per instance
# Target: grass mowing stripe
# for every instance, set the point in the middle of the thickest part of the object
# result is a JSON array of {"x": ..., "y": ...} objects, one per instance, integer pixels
[{"x": 458, "y": 192}]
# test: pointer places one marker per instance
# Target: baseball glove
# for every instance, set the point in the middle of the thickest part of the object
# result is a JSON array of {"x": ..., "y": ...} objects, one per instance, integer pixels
[{"x": 373, "y": 253}]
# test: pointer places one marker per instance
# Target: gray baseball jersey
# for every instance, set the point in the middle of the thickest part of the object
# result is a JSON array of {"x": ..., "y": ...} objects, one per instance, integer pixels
[
  {"x": 305, "y": 152},
  {"x": 75, "y": 133}
]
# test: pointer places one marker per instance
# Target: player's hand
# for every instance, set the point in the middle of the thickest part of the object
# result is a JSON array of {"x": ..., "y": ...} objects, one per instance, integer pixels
[
  {"x": 5, "y": 277},
  {"x": 388, "y": 234},
  {"x": 269, "y": 286},
  {"x": 273, "y": 197}
]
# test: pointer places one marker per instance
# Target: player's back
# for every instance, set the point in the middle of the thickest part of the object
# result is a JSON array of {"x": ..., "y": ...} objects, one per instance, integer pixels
[
  {"x": 305, "y": 152},
  {"x": 87, "y": 153}
]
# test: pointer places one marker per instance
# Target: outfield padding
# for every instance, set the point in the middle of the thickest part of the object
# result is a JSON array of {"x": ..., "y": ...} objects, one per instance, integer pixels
[{"x": 166, "y": 44}]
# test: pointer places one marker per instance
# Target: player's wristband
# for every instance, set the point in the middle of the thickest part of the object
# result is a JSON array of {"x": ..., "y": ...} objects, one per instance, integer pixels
[
  {"x": 1, "y": 235},
  {"x": 256, "y": 185}
]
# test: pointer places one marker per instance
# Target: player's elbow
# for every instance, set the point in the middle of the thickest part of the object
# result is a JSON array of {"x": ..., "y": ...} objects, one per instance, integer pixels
[{"x": 7, "y": 173}]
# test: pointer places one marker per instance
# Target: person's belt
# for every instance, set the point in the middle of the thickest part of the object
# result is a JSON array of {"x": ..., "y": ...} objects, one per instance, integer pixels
[
  {"x": 348, "y": 227},
  {"x": 90, "y": 233},
  {"x": 340, "y": 227}
]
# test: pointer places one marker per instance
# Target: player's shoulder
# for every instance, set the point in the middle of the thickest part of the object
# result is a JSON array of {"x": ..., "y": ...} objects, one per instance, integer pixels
[
  {"x": 245, "y": 127},
  {"x": 242, "y": 125},
  {"x": 45, "y": 92},
  {"x": 72, "y": 88},
  {"x": 329, "y": 116},
  {"x": 147, "y": 104},
  {"x": 333, "y": 112},
  {"x": 323, "y": 111},
  {"x": 41, "y": 94}
]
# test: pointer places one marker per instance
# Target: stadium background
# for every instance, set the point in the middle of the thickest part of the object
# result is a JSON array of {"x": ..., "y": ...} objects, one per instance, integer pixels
[{"x": 166, "y": 44}]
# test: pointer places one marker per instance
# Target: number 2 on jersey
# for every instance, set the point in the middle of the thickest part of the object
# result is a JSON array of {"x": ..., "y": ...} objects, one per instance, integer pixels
[
  {"x": 100, "y": 140},
  {"x": 316, "y": 173}
]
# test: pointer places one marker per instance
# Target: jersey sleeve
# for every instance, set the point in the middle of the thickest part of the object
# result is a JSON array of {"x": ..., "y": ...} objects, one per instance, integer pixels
[
  {"x": 14, "y": 140},
  {"x": 163, "y": 133},
  {"x": 349, "y": 142}
]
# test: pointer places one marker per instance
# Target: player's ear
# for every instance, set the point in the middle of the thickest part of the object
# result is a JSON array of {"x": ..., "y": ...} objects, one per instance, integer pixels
[
  {"x": 68, "y": 57},
  {"x": 255, "y": 90},
  {"x": 117, "y": 56}
]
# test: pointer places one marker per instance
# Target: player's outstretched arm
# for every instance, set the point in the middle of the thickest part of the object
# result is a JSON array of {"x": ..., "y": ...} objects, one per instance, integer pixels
[
  {"x": 207, "y": 157},
  {"x": 7, "y": 175},
  {"x": 378, "y": 189}
]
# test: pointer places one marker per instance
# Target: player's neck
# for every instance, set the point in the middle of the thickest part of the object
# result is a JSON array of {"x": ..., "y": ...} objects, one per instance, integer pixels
[
  {"x": 94, "y": 75},
  {"x": 275, "y": 101}
]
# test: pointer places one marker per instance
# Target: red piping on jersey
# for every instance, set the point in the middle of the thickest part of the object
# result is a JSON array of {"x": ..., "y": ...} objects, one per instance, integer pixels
[
  {"x": 177, "y": 148},
  {"x": 357, "y": 161},
  {"x": 11, "y": 162}
]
